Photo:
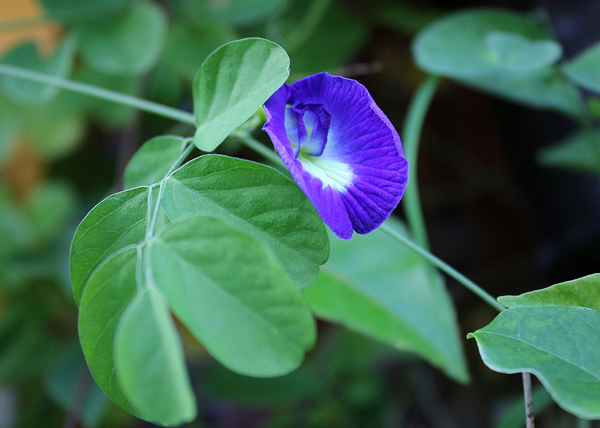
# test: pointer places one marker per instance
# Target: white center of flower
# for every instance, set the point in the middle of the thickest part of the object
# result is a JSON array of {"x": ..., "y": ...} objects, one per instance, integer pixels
[{"x": 332, "y": 173}]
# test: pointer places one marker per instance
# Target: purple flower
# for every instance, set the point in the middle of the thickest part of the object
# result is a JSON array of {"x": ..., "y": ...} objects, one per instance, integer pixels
[{"x": 341, "y": 149}]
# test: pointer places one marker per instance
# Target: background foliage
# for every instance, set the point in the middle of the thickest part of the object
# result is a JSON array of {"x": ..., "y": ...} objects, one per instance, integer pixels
[{"x": 496, "y": 205}]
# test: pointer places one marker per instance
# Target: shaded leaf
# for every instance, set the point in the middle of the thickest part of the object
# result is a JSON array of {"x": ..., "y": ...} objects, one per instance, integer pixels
[
  {"x": 518, "y": 54},
  {"x": 232, "y": 84},
  {"x": 383, "y": 290},
  {"x": 544, "y": 88},
  {"x": 150, "y": 362},
  {"x": 584, "y": 292},
  {"x": 458, "y": 46},
  {"x": 130, "y": 44},
  {"x": 280, "y": 391},
  {"x": 61, "y": 383},
  {"x": 584, "y": 69},
  {"x": 116, "y": 222},
  {"x": 578, "y": 152},
  {"x": 233, "y": 296},
  {"x": 153, "y": 160},
  {"x": 235, "y": 12},
  {"x": 558, "y": 344},
  {"x": 188, "y": 46},
  {"x": 257, "y": 200}
]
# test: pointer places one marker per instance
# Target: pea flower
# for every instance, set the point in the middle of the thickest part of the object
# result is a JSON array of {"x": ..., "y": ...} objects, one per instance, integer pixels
[{"x": 341, "y": 149}]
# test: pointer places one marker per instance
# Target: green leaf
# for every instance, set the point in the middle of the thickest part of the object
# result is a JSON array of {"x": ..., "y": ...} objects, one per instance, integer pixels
[
  {"x": 381, "y": 289},
  {"x": 544, "y": 88},
  {"x": 584, "y": 292},
  {"x": 107, "y": 295},
  {"x": 153, "y": 160},
  {"x": 188, "y": 46},
  {"x": 584, "y": 69},
  {"x": 232, "y": 84},
  {"x": 27, "y": 56},
  {"x": 55, "y": 128},
  {"x": 130, "y": 44},
  {"x": 578, "y": 152},
  {"x": 116, "y": 222},
  {"x": 458, "y": 45},
  {"x": 257, "y": 200},
  {"x": 232, "y": 295},
  {"x": 518, "y": 53},
  {"x": 49, "y": 208},
  {"x": 558, "y": 344},
  {"x": 150, "y": 362}
]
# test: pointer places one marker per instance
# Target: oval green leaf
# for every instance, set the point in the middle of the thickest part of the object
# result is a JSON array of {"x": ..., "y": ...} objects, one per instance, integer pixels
[
  {"x": 232, "y": 295},
  {"x": 153, "y": 160},
  {"x": 456, "y": 45},
  {"x": 257, "y": 200},
  {"x": 130, "y": 44},
  {"x": 584, "y": 292},
  {"x": 558, "y": 344},
  {"x": 116, "y": 222},
  {"x": 107, "y": 295},
  {"x": 150, "y": 362},
  {"x": 519, "y": 54},
  {"x": 27, "y": 56},
  {"x": 376, "y": 287},
  {"x": 232, "y": 84}
]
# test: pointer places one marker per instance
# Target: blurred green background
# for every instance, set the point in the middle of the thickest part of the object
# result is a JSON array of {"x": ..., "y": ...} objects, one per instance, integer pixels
[{"x": 492, "y": 209}]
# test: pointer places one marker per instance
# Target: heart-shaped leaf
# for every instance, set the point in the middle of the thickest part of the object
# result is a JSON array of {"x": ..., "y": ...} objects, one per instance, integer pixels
[
  {"x": 558, "y": 344},
  {"x": 232, "y": 84}
]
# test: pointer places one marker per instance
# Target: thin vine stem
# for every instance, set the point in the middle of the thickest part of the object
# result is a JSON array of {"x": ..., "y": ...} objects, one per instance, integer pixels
[
  {"x": 184, "y": 154},
  {"x": 256, "y": 145},
  {"x": 186, "y": 117},
  {"x": 443, "y": 266},
  {"x": 96, "y": 92},
  {"x": 413, "y": 125}
]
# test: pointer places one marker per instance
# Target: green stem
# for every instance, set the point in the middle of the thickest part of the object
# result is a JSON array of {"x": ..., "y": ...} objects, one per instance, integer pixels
[
  {"x": 411, "y": 136},
  {"x": 184, "y": 154},
  {"x": 96, "y": 92},
  {"x": 444, "y": 267},
  {"x": 256, "y": 145},
  {"x": 185, "y": 117}
]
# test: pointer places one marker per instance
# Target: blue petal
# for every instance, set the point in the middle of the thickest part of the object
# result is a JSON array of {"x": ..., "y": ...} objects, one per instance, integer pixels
[{"x": 340, "y": 148}]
